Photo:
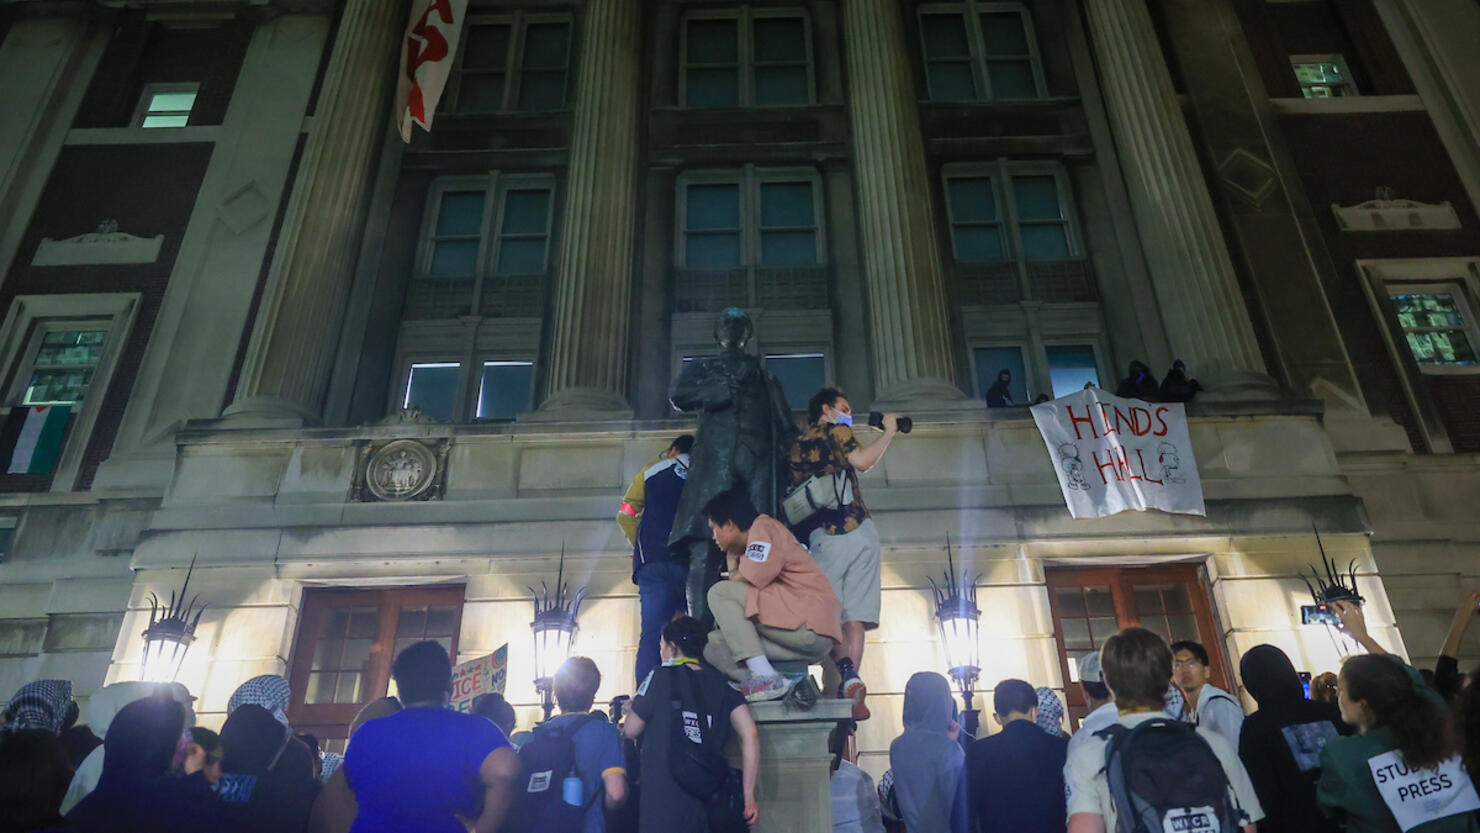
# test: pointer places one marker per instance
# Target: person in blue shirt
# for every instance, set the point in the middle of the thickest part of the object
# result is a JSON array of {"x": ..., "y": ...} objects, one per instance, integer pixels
[
  {"x": 599, "y": 758},
  {"x": 646, "y": 519},
  {"x": 1016, "y": 776},
  {"x": 425, "y": 768}
]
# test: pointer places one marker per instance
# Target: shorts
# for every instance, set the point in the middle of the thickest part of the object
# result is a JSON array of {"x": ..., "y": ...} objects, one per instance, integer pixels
[{"x": 851, "y": 563}]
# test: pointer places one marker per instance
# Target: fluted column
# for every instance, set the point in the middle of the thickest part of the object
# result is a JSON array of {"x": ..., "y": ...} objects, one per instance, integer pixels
[
  {"x": 586, "y": 364},
  {"x": 292, "y": 350},
  {"x": 901, "y": 265},
  {"x": 1191, "y": 272}
]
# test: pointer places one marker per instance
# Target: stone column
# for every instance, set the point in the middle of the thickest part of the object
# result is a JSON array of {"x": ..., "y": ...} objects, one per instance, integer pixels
[
  {"x": 586, "y": 364},
  {"x": 908, "y": 325},
  {"x": 794, "y": 788},
  {"x": 286, "y": 372},
  {"x": 1201, "y": 305}
]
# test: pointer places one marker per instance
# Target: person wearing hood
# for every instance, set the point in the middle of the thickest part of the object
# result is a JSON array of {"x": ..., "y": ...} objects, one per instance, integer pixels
[
  {"x": 928, "y": 763},
  {"x": 1138, "y": 383},
  {"x": 998, "y": 395},
  {"x": 262, "y": 788},
  {"x": 1050, "y": 717},
  {"x": 272, "y": 693},
  {"x": 1176, "y": 387},
  {"x": 137, "y": 793},
  {"x": 34, "y": 772},
  {"x": 43, "y": 704},
  {"x": 102, "y": 707},
  {"x": 1281, "y": 743}
]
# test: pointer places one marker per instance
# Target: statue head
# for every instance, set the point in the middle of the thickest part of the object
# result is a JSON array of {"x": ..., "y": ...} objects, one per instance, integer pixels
[{"x": 733, "y": 329}]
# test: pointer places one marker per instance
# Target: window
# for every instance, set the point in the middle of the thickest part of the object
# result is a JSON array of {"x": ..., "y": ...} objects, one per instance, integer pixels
[
  {"x": 800, "y": 375},
  {"x": 1007, "y": 211},
  {"x": 1323, "y": 76},
  {"x": 1070, "y": 367},
  {"x": 346, "y": 642},
  {"x": 1090, "y": 605},
  {"x": 989, "y": 361},
  {"x": 63, "y": 365},
  {"x": 1038, "y": 369},
  {"x": 513, "y": 64},
  {"x": 980, "y": 51},
  {"x": 753, "y": 217},
  {"x": 432, "y": 387},
  {"x": 506, "y": 389},
  {"x": 746, "y": 58},
  {"x": 1438, "y": 326},
  {"x": 166, "y": 105}
]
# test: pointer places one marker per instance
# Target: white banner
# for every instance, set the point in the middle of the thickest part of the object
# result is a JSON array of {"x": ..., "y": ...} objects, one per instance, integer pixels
[
  {"x": 1115, "y": 454},
  {"x": 426, "y": 60}
]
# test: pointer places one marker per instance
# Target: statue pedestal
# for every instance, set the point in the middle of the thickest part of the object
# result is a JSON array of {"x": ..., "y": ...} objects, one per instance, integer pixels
[{"x": 793, "y": 790}]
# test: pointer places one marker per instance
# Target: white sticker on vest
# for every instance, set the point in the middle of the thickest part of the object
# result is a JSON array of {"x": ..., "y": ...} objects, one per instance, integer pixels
[
  {"x": 1419, "y": 795},
  {"x": 758, "y": 552},
  {"x": 691, "y": 728},
  {"x": 1190, "y": 820},
  {"x": 540, "y": 781}
]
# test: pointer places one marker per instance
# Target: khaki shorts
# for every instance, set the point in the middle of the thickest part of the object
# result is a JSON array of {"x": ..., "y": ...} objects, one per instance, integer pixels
[{"x": 851, "y": 563}]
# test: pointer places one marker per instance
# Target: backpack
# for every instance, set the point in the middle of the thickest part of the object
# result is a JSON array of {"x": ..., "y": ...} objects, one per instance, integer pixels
[
  {"x": 547, "y": 760},
  {"x": 701, "y": 769},
  {"x": 1164, "y": 778}
]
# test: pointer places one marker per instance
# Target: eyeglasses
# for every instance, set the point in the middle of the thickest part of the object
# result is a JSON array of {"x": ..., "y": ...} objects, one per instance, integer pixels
[{"x": 1183, "y": 663}]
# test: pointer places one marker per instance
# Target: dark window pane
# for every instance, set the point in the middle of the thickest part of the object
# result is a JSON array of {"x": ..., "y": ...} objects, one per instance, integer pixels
[
  {"x": 1076, "y": 635},
  {"x": 338, "y": 622},
  {"x": 481, "y": 93},
  {"x": 526, "y": 211},
  {"x": 1148, "y": 600},
  {"x": 712, "y": 251},
  {"x": 356, "y": 654},
  {"x": 542, "y": 90},
  {"x": 545, "y": 45},
  {"x": 989, "y": 360},
  {"x": 713, "y": 88},
  {"x": 972, "y": 199},
  {"x": 1176, "y": 599},
  {"x": 1100, "y": 601},
  {"x": 461, "y": 213},
  {"x": 945, "y": 36},
  {"x": 978, "y": 243},
  {"x": 713, "y": 207},
  {"x": 1037, "y": 197},
  {"x": 486, "y": 46},
  {"x": 503, "y": 394},
  {"x": 411, "y": 622},
  {"x": 363, "y": 622},
  {"x": 788, "y": 248},
  {"x": 1046, "y": 241},
  {"x": 320, "y": 688},
  {"x": 1004, "y": 34},
  {"x": 454, "y": 257},
  {"x": 522, "y": 256},
  {"x": 713, "y": 42},
  {"x": 1102, "y": 629},
  {"x": 1012, "y": 79},
  {"x": 951, "y": 82},
  {"x": 800, "y": 375},
  {"x": 786, "y": 204},
  {"x": 1070, "y": 602},
  {"x": 1182, "y": 627},
  {"x": 326, "y": 654},
  {"x": 1069, "y": 367},
  {"x": 433, "y": 388},
  {"x": 780, "y": 86},
  {"x": 779, "y": 39},
  {"x": 440, "y": 618}
]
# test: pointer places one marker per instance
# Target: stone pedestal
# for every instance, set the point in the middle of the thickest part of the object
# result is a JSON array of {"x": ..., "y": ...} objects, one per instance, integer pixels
[
  {"x": 1193, "y": 277},
  {"x": 794, "y": 790},
  {"x": 908, "y": 326},
  {"x": 587, "y": 359},
  {"x": 293, "y": 346}
]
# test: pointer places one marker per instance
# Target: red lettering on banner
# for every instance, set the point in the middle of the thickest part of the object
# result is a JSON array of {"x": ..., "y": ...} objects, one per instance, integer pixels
[
  {"x": 1112, "y": 463},
  {"x": 1074, "y": 420},
  {"x": 1148, "y": 478},
  {"x": 1159, "y": 411},
  {"x": 1105, "y": 419},
  {"x": 1138, "y": 414}
]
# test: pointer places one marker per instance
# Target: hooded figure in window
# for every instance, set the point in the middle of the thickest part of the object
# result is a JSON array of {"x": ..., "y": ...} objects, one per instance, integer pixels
[
  {"x": 745, "y": 429},
  {"x": 998, "y": 395},
  {"x": 1176, "y": 387},
  {"x": 1138, "y": 384}
]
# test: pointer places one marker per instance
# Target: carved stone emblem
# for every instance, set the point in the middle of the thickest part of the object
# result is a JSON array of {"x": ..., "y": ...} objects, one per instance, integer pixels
[
  {"x": 1386, "y": 213},
  {"x": 401, "y": 470}
]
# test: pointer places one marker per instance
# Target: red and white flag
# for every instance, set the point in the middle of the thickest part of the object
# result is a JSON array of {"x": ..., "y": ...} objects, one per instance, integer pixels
[{"x": 426, "y": 60}]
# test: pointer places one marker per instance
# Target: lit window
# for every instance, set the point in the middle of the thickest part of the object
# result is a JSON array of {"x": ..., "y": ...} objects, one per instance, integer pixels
[
  {"x": 1437, "y": 324},
  {"x": 1070, "y": 367},
  {"x": 991, "y": 361},
  {"x": 513, "y": 64},
  {"x": 1035, "y": 225},
  {"x": 746, "y": 59},
  {"x": 167, "y": 105},
  {"x": 979, "y": 51},
  {"x": 505, "y": 390},
  {"x": 432, "y": 387},
  {"x": 1323, "y": 76},
  {"x": 800, "y": 375},
  {"x": 63, "y": 366}
]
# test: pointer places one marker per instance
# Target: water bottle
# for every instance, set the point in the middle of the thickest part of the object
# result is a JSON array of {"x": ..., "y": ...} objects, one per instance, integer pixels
[{"x": 572, "y": 790}]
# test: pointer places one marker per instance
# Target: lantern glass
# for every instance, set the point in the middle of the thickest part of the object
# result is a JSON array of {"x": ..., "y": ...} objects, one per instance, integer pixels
[
  {"x": 553, "y": 642},
  {"x": 958, "y": 629},
  {"x": 164, "y": 653}
]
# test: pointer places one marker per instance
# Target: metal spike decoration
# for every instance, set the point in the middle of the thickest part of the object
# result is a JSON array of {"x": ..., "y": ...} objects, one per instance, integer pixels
[
  {"x": 1336, "y": 587},
  {"x": 956, "y": 595},
  {"x": 171, "y": 630},
  {"x": 159, "y": 613},
  {"x": 547, "y": 605}
]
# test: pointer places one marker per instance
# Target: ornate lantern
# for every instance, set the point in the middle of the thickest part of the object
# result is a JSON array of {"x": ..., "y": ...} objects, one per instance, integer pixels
[
  {"x": 170, "y": 632},
  {"x": 555, "y": 632},
  {"x": 957, "y": 616}
]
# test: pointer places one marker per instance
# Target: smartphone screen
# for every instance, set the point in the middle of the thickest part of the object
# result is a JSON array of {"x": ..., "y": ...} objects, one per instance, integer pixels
[{"x": 1305, "y": 683}]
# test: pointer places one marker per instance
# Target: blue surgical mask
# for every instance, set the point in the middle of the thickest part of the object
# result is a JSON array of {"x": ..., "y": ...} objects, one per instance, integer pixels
[{"x": 844, "y": 419}]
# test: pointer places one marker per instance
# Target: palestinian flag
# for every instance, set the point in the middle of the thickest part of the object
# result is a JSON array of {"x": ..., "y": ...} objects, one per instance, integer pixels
[{"x": 31, "y": 437}]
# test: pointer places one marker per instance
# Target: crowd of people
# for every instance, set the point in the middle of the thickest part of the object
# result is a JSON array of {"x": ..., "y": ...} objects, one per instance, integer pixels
[{"x": 1138, "y": 383}]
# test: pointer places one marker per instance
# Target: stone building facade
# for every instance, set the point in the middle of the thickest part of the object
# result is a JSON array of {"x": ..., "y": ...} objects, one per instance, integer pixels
[{"x": 220, "y": 257}]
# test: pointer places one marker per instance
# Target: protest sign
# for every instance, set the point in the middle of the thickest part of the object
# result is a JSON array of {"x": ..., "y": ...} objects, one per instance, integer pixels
[
  {"x": 485, "y": 675},
  {"x": 1113, "y": 454}
]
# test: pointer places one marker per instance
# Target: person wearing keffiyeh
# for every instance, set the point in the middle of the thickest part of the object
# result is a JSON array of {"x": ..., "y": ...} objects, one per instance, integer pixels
[
  {"x": 1050, "y": 712},
  {"x": 270, "y": 691},
  {"x": 39, "y": 705}
]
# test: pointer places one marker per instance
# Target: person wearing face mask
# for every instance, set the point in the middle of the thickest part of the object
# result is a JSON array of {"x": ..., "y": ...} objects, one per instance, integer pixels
[{"x": 843, "y": 540}]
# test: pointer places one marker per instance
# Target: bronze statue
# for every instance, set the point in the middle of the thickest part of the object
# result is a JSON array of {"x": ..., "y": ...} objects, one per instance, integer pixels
[{"x": 745, "y": 428}]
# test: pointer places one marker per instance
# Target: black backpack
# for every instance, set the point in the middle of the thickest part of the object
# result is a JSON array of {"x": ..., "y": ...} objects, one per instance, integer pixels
[
  {"x": 547, "y": 760},
  {"x": 1164, "y": 778},
  {"x": 701, "y": 769}
]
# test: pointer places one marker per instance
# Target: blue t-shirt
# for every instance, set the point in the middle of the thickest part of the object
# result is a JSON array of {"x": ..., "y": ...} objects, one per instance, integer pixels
[
  {"x": 413, "y": 770},
  {"x": 598, "y": 754}
]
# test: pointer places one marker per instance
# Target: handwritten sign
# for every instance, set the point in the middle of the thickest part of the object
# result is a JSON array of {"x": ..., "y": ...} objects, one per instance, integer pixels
[
  {"x": 1419, "y": 795},
  {"x": 485, "y": 675},
  {"x": 1113, "y": 454}
]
